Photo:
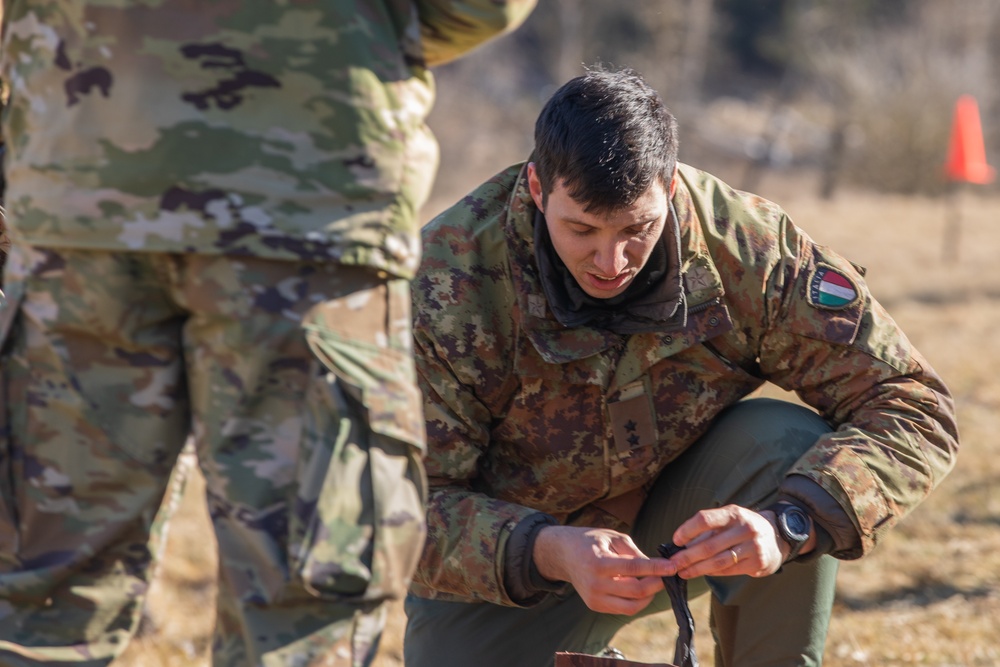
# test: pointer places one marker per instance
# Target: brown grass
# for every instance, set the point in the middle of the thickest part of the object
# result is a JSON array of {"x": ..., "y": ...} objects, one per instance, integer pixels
[{"x": 930, "y": 595}]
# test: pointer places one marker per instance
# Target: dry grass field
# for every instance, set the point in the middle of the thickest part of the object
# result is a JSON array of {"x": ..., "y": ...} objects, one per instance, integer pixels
[{"x": 930, "y": 595}]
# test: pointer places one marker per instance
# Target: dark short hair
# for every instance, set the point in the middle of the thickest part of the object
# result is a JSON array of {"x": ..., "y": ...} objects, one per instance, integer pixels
[{"x": 607, "y": 135}]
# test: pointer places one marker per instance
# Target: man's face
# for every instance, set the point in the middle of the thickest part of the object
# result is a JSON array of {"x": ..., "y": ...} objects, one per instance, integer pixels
[{"x": 603, "y": 252}]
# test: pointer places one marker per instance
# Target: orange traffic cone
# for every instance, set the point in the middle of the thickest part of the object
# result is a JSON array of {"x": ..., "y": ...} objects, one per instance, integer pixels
[{"x": 966, "y": 154}]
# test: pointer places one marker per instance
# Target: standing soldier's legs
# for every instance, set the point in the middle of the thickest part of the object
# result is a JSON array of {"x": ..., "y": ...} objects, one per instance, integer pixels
[
  {"x": 310, "y": 435},
  {"x": 777, "y": 620},
  {"x": 92, "y": 417},
  {"x": 311, "y": 450}
]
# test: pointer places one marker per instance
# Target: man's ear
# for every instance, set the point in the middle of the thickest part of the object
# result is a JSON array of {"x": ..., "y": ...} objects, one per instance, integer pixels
[
  {"x": 535, "y": 187},
  {"x": 673, "y": 183}
]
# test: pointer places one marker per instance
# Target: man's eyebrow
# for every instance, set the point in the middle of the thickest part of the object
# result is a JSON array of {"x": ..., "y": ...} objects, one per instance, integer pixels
[{"x": 639, "y": 223}]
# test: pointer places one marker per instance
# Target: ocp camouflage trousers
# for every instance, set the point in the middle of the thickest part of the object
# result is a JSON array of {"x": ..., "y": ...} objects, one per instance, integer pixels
[{"x": 296, "y": 385}]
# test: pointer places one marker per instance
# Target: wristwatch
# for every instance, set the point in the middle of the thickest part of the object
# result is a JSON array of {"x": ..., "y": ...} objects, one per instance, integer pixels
[{"x": 793, "y": 526}]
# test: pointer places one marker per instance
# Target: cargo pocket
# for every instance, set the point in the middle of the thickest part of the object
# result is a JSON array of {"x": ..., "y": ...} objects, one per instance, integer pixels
[
  {"x": 357, "y": 524},
  {"x": 9, "y": 307}
]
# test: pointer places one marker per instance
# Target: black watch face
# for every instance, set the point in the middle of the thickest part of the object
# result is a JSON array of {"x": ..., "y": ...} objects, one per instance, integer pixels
[{"x": 797, "y": 522}]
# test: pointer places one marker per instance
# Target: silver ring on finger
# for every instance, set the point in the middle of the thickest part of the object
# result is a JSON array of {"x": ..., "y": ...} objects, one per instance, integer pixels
[{"x": 735, "y": 555}]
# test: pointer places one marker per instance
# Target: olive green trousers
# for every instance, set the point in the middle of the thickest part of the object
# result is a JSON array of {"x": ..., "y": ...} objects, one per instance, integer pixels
[{"x": 777, "y": 620}]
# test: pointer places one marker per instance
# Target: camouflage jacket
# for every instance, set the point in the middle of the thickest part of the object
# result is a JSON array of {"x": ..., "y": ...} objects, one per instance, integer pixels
[
  {"x": 527, "y": 416},
  {"x": 276, "y": 129}
]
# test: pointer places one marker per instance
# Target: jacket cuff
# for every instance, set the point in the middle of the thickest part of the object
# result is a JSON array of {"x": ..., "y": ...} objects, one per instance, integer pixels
[
  {"x": 836, "y": 533},
  {"x": 525, "y": 585}
]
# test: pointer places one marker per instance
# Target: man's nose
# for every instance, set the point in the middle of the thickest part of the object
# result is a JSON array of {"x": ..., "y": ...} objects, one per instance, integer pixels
[{"x": 610, "y": 260}]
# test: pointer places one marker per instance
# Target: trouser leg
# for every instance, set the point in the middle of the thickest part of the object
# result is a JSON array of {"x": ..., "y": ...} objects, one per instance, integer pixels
[
  {"x": 309, "y": 429},
  {"x": 776, "y": 620},
  {"x": 767, "y": 625},
  {"x": 458, "y": 634},
  {"x": 95, "y": 416}
]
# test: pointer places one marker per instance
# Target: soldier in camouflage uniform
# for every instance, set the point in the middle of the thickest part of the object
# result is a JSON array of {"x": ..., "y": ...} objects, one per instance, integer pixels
[
  {"x": 588, "y": 325},
  {"x": 213, "y": 208}
]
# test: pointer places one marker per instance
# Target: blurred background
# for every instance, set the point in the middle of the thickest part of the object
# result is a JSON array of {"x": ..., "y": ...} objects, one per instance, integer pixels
[{"x": 851, "y": 92}]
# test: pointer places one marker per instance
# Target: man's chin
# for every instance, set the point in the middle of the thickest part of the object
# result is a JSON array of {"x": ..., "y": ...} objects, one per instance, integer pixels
[{"x": 602, "y": 293}]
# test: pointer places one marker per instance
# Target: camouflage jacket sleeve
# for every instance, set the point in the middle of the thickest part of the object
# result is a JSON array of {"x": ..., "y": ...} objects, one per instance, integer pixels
[
  {"x": 896, "y": 435},
  {"x": 451, "y": 28},
  {"x": 815, "y": 329},
  {"x": 467, "y": 531},
  {"x": 462, "y": 371}
]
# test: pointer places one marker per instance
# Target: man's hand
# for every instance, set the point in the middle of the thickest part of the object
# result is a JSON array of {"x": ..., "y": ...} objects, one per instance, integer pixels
[
  {"x": 731, "y": 540},
  {"x": 605, "y": 567}
]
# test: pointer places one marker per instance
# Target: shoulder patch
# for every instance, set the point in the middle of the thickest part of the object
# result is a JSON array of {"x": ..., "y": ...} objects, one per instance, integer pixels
[{"x": 831, "y": 289}]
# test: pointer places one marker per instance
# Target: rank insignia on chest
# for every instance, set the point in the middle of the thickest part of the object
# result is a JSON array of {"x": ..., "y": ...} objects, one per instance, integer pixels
[
  {"x": 632, "y": 423},
  {"x": 831, "y": 289}
]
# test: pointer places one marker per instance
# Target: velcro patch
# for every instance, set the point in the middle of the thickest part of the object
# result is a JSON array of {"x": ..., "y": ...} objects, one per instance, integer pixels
[
  {"x": 831, "y": 289},
  {"x": 632, "y": 423}
]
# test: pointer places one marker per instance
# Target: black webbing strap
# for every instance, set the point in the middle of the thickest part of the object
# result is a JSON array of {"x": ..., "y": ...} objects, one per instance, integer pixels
[{"x": 684, "y": 655}]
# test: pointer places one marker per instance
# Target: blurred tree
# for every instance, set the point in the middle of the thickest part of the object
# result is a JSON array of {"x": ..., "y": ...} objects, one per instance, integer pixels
[
  {"x": 861, "y": 89},
  {"x": 891, "y": 73},
  {"x": 755, "y": 34}
]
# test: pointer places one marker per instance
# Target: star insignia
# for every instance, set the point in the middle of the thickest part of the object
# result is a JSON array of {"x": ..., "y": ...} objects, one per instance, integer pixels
[{"x": 698, "y": 278}]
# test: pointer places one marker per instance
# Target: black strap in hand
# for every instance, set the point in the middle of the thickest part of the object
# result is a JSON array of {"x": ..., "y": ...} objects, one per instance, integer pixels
[{"x": 684, "y": 655}]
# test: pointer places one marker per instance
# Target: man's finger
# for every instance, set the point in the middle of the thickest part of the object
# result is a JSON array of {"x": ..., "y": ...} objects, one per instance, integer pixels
[
  {"x": 704, "y": 524},
  {"x": 639, "y": 567}
]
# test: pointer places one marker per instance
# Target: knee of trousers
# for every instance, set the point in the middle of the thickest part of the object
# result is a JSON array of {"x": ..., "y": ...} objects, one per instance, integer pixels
[
  {"x": 773, "y": 432},
  {"x": 742, "y": 459},
  {"x": 755, "y": 443}
]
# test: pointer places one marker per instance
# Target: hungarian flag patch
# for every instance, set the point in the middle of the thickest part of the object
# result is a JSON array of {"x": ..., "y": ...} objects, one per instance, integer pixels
[{"x": 829, "y": 288}]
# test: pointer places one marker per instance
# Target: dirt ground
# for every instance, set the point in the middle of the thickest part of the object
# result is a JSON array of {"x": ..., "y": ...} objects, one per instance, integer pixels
[{"x": 930, "y": 595}]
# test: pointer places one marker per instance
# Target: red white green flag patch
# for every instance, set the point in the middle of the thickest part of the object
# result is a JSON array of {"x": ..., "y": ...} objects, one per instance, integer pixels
[{"x": 829, "y": 288}]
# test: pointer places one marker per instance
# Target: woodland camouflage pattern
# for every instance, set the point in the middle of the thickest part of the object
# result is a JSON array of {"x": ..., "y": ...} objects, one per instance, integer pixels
[
  {"x": 213, "y": 208},
  {"x": 524, "y": 415}
]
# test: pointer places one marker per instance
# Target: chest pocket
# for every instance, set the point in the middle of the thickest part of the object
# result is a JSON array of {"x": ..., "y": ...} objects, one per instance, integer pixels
[{"x": 632, "y": 419}]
